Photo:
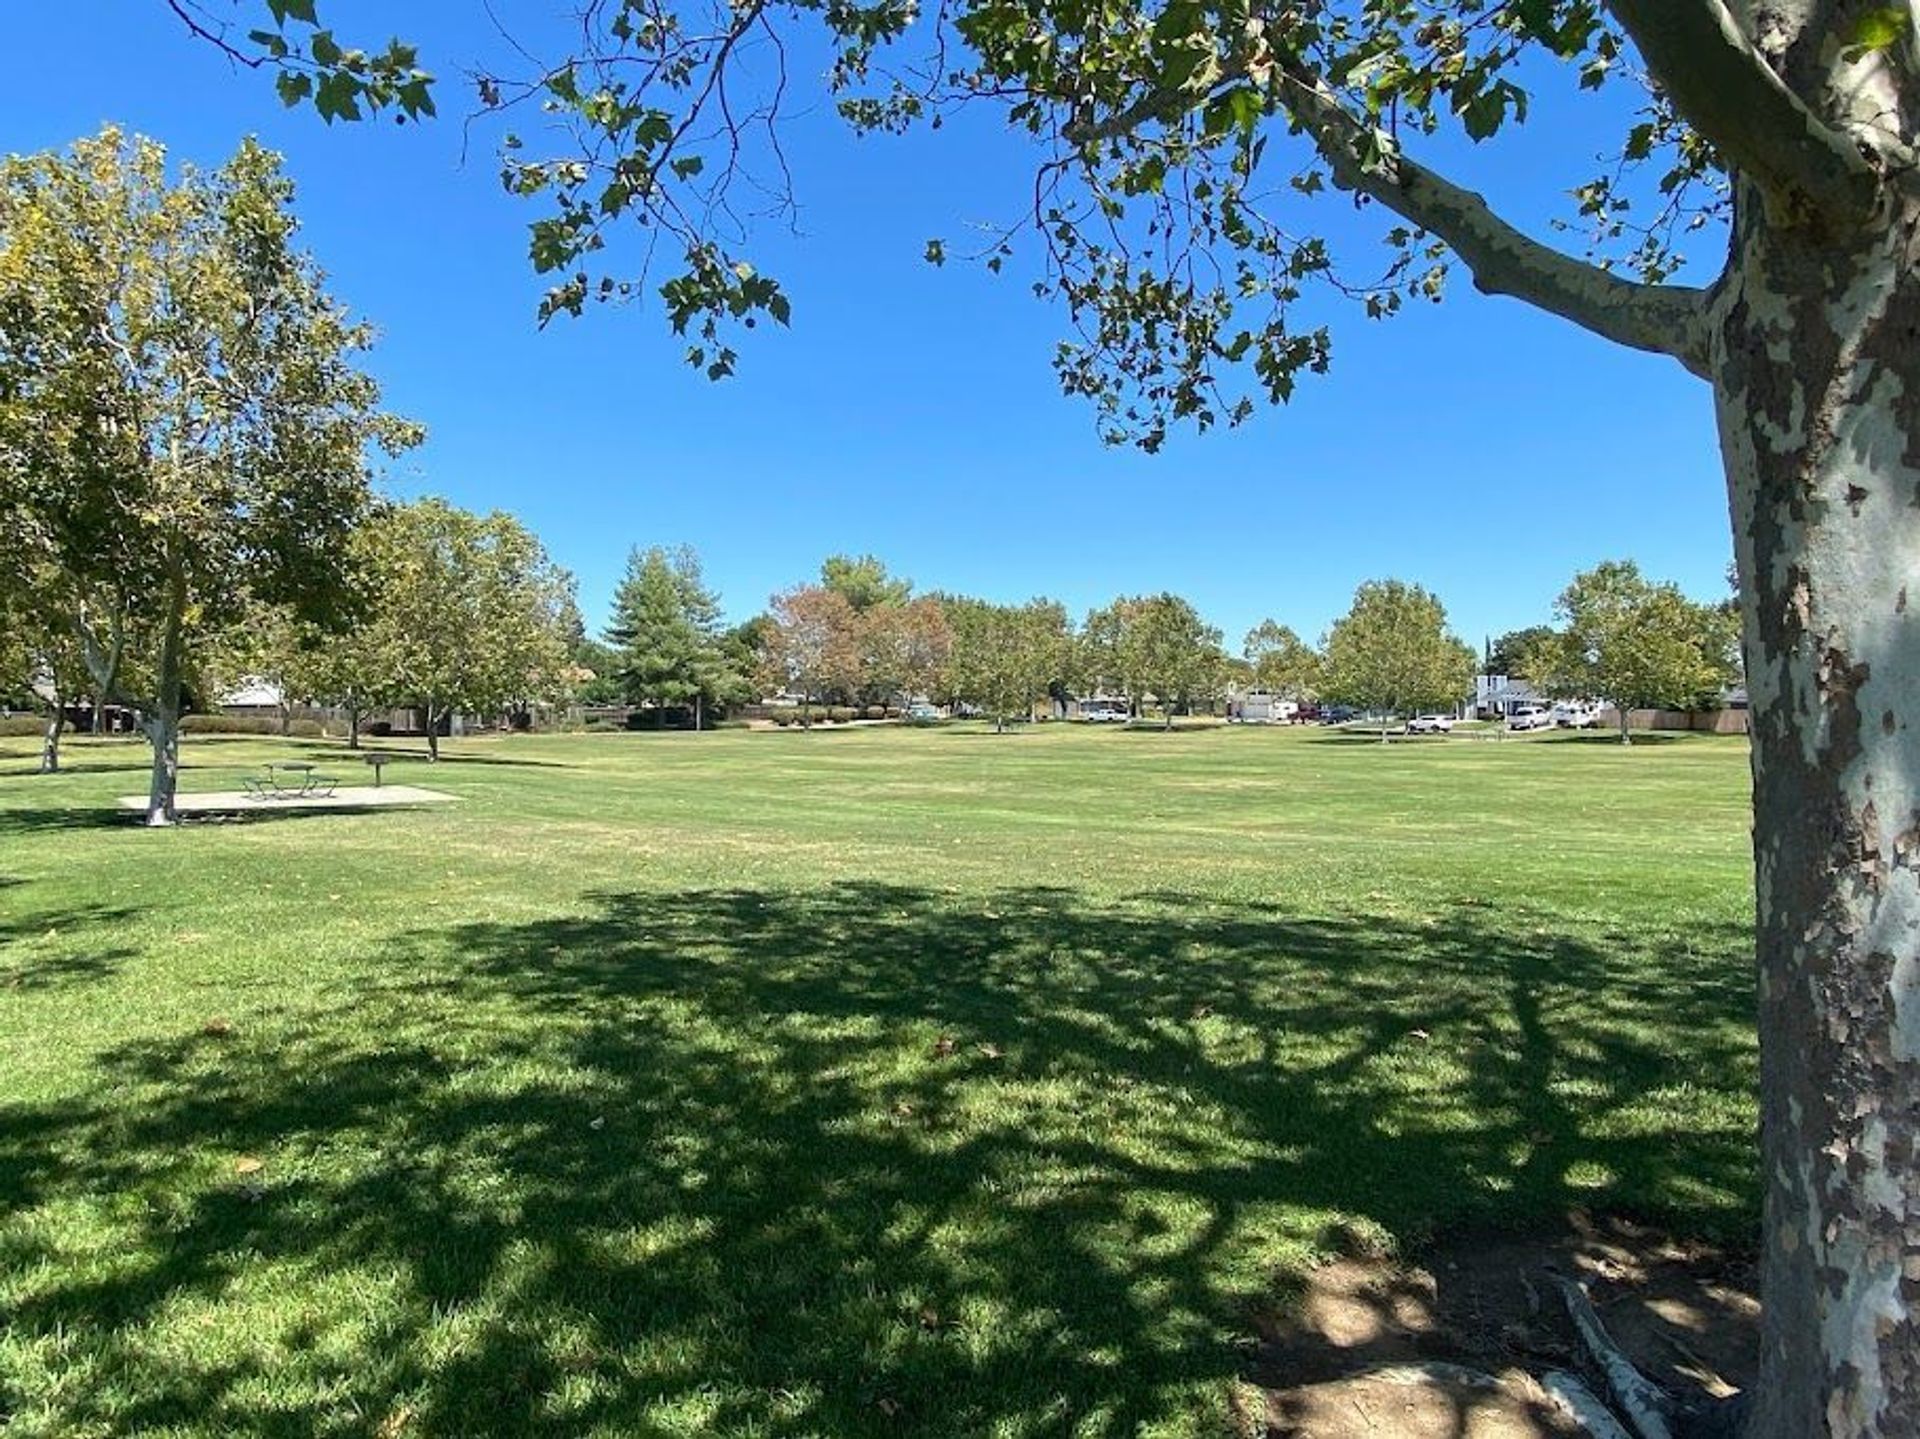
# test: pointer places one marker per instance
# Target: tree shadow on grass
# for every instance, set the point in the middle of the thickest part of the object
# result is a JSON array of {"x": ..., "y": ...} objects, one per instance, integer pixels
[
  {"x": 865, "y": 1159},
  {"x": 22, "y": 970}
]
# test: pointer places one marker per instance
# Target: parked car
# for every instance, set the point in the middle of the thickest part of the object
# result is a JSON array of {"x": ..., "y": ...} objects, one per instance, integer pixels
[
  {"x": 1530, "y": 718},
  {"x": 1430, "y": 724},
  {"x": 922, "y": 714},
  {"x": 1103, "y": 713},
  {"x": 1336, "y": 714},
  {"x": 1576, "y": 716},
  {"x": 1306, "y": 714}
]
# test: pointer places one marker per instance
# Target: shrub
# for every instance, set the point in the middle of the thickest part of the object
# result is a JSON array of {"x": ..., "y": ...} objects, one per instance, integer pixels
[
  {"x": 16, "y": 725},
  {"x": 307, "y": 729},
  {"x": 875, "y": 711},
  {"x": 228, "y": 724},
  {"x": 840, "y": 714}
]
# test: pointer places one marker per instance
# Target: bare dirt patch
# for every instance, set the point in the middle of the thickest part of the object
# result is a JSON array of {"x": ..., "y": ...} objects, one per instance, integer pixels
[{"x": 1454, "y": 1347}]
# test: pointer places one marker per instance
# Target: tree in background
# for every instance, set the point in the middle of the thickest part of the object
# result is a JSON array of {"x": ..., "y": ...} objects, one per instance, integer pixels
[
  {"x": 665, "y": 633},
  {"x": 1518, "y": 653},
  {"x": 863, "y": 582},
  {"x": 1006, "y": 658},
  {"x": 1282, "y": 663},
  {"x": 813, "y": 646},
  {"x": 40, "y": 655},
  {"x": 1169, "y": 650},
  {"x": 1638, "y": 644},
  {"x": 469, "y": 614},
  {"x": 1103, "y": 655},
  {"x": 1392, "y": 652},
  {"x": 182, "y": 404},
  {"x": 904, "y": 648}
]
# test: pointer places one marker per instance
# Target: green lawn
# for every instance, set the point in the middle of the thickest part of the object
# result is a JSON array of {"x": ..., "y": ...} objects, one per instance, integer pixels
[{"x": 875, "y": 1082}]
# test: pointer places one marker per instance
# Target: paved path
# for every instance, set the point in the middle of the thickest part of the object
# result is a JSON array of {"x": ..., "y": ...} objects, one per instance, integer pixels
[{"x": 233, "y": 801}]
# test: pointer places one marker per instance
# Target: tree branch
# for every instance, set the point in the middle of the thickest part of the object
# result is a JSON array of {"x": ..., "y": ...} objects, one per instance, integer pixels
[
  {"x": 1726, "y": 89},
  {"x": 1663, "y": 319}
]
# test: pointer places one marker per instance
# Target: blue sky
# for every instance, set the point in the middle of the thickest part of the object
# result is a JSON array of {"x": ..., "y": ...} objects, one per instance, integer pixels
[{"x": 1477, "y": 447}]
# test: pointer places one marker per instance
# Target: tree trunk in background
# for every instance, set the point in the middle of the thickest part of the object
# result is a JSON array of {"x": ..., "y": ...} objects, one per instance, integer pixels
[
  {"x": 50, "y": 736},
  {"x": 1626, "y": 725},
  {"x": 1816, "y": 360},
  {"x": 353, "y": 726},
  {"x": 433, "y": 733},
  {"x": 698, "y": 715},
  {"x": 99, "y": 713},
  {"x": 163, "y": 725}
]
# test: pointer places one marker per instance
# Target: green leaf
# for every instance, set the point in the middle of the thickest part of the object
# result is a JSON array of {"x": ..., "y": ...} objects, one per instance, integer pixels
[
  {"x": 293, "y": 87},
  {"x": 1876, "y": 30},
  {"x": 301, "y": 10}
]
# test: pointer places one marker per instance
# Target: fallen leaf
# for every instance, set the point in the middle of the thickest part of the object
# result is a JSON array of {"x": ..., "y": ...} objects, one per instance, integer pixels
[
  {"x": 992, "y": 1051},
  {"x": 1201, "y": 1011},
  {"x": 599, "y": 1121},
  {"x": 1418, "y": 1034},
  {"x": 943, "y": 1046},
  {"x": 929, "y": 1317},
  {"x": 247, "y": 1164},
  {"x": 219, "y": 1027},
  {"x": 888, "y": 1407}
]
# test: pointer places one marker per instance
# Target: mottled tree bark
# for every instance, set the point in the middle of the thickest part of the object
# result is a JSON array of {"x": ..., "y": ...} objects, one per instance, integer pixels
[
  {"x": 50, "y": 736},
  {"x": 163, "y": 724},
  {"x": 1816, "y": 365}
]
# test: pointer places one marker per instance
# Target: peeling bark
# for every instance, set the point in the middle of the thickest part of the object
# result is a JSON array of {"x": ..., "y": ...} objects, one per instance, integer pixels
[
  {"x": 1817, "y": 386},
  {"x": 163, "y": 725},
  {"x": 50, "y": 736}
]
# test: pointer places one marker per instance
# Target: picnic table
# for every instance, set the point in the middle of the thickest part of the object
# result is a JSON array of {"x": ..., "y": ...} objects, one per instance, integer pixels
[{"x": 289, "y": 779}]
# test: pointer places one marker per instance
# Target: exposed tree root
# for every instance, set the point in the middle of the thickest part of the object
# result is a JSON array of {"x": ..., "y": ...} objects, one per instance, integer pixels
[
  {"x": 1646, "y": 1406},
  {"x": 1582, "y": 1405}
]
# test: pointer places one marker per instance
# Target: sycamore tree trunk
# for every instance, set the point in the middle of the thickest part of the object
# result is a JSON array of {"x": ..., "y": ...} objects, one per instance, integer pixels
[
  {"x": 353, "y": 726},
  {"x": 163, "y": 724},
  {"x": 1816, "y": 367},
  {"x": 50, "y": 736},
  {"x": 433, "y": 732},
  {"x": 1626, "y": 724}
]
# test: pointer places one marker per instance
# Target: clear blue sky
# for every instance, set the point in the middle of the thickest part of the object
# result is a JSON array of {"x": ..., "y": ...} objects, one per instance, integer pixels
[{"x": 1477, "y": 447}]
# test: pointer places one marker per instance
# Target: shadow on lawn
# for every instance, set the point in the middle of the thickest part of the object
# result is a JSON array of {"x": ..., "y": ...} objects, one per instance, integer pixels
[
  {"x": 862, "y": 1160},
  {"x": 20, "y": 970}
]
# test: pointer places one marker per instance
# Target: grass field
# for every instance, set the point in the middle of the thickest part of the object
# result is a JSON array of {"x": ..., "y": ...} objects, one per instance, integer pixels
[{"x": 873, "y": 1082}]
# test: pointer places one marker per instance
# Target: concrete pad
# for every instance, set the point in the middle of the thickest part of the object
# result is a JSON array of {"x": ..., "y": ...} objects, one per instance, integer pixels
[{"x": 234, "y": 801}]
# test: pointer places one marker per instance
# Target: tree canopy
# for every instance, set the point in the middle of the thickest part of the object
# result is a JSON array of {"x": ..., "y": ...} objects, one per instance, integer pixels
[
  {"x": 1392, "y": 652},
  {"x": 184, "y": 425},
  {"x": 665, "y": 633},
  {"x": 1638, "y": 644}
]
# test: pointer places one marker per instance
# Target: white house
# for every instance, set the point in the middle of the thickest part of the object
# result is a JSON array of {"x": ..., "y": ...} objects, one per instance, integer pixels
[{"x": 1497, "y": 696}]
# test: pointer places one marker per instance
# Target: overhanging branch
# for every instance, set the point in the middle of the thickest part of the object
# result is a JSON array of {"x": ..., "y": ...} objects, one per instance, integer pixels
[
  {"x": 1726, "y": 89},
  {"x": 1663, "y": 319}
]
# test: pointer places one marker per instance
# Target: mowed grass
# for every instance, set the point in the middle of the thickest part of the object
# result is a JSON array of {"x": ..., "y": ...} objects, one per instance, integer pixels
[{"x": 868, "y": 1083}]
